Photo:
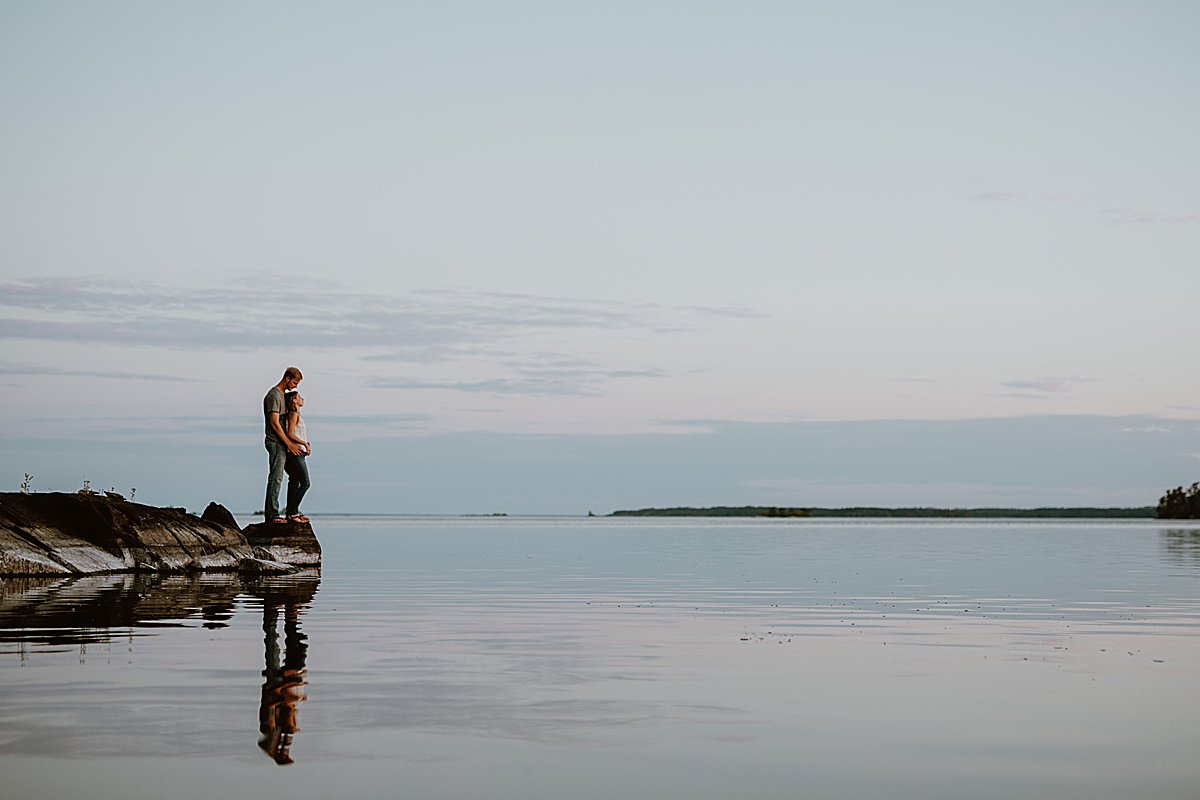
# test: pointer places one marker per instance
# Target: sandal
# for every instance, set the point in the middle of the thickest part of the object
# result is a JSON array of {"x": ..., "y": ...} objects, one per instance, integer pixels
[
  {"x": 278, "y": 519},
  {"x": 298, "y": 518}
]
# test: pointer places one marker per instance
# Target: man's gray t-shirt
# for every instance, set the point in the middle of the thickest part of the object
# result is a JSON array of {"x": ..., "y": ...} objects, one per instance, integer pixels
[{"x": 273, "y": 402}]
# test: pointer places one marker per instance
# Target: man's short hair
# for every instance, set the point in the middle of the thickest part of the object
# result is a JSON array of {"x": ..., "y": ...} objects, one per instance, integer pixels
[{"x": 293, "y": 372}]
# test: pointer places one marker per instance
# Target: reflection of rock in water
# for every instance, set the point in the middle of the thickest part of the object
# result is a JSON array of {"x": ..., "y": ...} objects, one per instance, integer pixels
[
  {"x": 86, "y": 609},
  {"x": 95, "y": 608},
  {"x": 1182, "y": 546}
]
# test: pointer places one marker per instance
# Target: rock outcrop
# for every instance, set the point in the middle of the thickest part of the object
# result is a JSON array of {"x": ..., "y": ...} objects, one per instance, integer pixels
[{"x": 79, "y": 534}]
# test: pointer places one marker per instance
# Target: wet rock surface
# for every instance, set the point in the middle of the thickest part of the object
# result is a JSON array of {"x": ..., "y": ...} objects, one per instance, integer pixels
[
  {"x": 79, "y": 534},
  {"x": 287, "y": 542}
]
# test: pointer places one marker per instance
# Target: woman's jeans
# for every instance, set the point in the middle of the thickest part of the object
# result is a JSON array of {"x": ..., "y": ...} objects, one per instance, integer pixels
[{"x": 297, "y": 472}]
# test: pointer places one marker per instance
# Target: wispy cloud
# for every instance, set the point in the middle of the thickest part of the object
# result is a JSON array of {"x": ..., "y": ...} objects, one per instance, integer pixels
[
  {"x": 1044, "y": 387},
  {"x": 997, "y": 196},
  {"x": 732, "y": 312},
  {"x": 686, "y": 426},
  {"x": 1142, "y": 216},
  {"x": 29, "y": 370},
  {"x": 212, "y": 428},
  {"x": 490, "y": 386},
  {"x": 376, "y": 421},
  {"x": 420, "y": 327},
  {"x": 581, "y": 382},
  {"x": 435, "y": 354},
  {"x": 145, "y": 427},
  {"x": 1102, "y": 210},
  {"x": 459, "y": 339},
  {"x": 1034, "y": 460},
  {"x": 1047, "y": 385}
]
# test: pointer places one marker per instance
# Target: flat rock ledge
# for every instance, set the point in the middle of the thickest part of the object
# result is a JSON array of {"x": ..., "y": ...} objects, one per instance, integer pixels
[{"x": 50, "y": 533}]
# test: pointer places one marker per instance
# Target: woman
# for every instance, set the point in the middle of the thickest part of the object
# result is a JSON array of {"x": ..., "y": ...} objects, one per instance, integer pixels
[{"x": 296, "y": 467}]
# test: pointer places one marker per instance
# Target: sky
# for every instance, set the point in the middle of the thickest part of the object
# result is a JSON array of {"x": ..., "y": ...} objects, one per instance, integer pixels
[{"x": 562, "y": 257}]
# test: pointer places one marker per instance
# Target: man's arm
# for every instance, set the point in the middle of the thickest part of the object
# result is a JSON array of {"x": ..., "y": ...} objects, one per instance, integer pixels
[
  {"x": 293, "y": 418},
  {"x": 273, "y": 421}
]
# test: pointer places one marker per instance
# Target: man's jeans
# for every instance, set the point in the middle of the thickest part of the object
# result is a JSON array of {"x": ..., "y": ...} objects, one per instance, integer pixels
[
  {"x": 297, "y": 472},
  {"x": 277, "y": 454}
]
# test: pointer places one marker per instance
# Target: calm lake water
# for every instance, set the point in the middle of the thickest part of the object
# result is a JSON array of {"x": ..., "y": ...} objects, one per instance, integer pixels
[{"x": 632, "y": 658}]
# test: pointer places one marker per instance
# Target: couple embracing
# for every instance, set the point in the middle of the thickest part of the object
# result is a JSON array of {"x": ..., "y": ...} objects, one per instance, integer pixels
[{"x": 287, "y": 447}]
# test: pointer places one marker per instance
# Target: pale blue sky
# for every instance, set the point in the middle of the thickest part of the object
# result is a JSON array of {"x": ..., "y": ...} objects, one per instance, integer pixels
[{"x": 499, "y": 235}]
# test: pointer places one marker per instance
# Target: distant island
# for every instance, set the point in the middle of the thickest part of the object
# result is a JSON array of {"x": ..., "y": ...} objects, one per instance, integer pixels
[
  {"x": 1180, "y": 503},
  {"x": 1145, "y": 512}
]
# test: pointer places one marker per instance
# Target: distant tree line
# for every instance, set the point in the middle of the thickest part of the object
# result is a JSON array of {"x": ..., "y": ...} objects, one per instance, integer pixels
[
  {"x": 1144, "y": 512},
  {"x": 1180, "y": 503},
  {"x": 778, "y": 511},
  {"x": 714, "y": 511}
]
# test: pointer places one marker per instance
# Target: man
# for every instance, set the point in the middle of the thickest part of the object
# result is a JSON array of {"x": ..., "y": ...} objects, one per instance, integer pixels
[{"x": 277, "y": 442}]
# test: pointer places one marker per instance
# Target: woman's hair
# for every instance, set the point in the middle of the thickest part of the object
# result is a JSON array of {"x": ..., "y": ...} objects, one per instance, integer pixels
[{"x": 289, "y": 400}]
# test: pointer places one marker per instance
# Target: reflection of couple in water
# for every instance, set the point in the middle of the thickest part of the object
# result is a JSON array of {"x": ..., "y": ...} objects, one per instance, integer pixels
[{"x": 283, "y": 687}]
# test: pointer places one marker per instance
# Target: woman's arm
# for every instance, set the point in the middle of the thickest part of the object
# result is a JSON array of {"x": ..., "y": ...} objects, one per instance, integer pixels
[{"x": 293, "y": 417}]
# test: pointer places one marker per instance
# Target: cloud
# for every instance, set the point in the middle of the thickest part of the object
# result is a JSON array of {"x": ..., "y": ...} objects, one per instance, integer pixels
[
  {"x": 580, "y": 382},
  {"x": 1055, "y": 385},
  {"x": 1021, "y": 461},
  {"x": 733, "y": 312},
  {"x": 19, "y": 369},
  {"x": 434, "y": 354},
  {"x": 686, "y": 426},
  {"x": 141, "y": 427},
  {"x": 178, "y": 428},
  {"x": 1041, "y": 388},
  {"x": 1136, "y": 216},
  {"x": 997, "y": 196},
  {"x": 385, "y": 421},
  {"x": 491, "y": 386},
  {"x": 457, "y": 339},
  {"x": 1041, "y": 460},
  {"x": 422, "y": 327},
  {"x": 1091, "y": 204}
]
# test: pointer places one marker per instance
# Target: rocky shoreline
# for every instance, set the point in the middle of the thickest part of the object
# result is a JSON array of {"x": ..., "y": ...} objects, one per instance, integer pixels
[{"x": 50, "y": 533}]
